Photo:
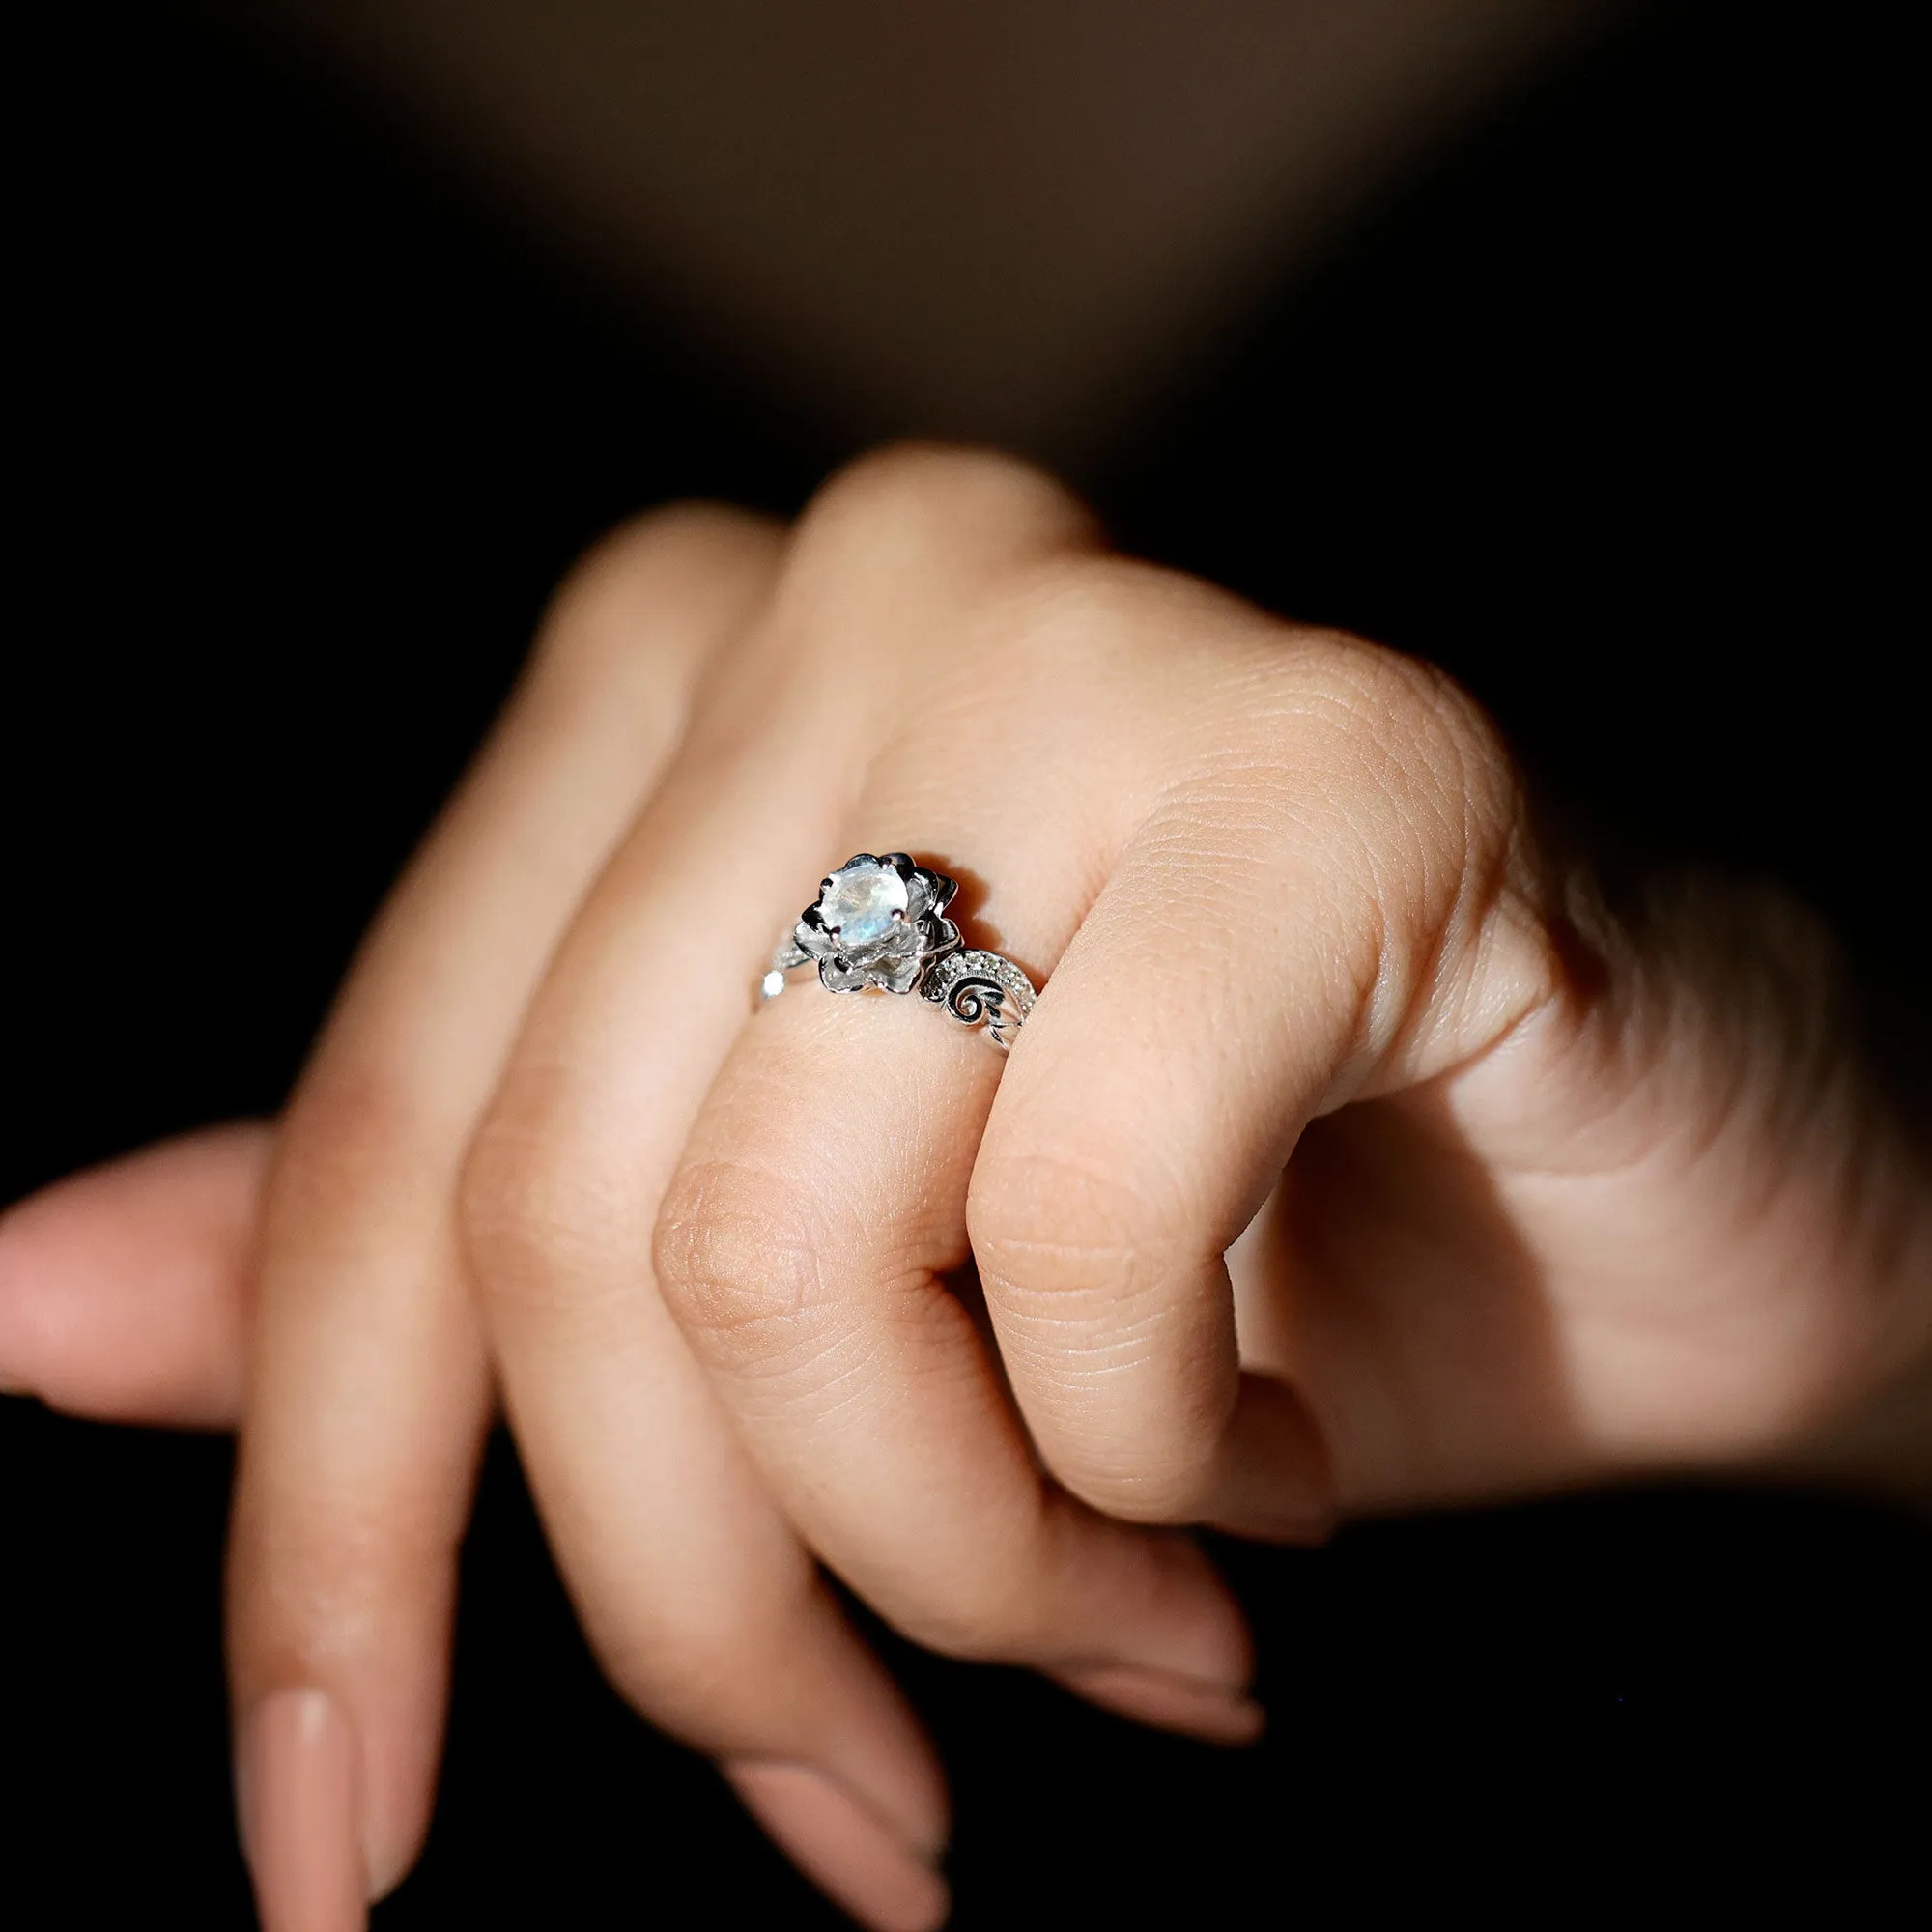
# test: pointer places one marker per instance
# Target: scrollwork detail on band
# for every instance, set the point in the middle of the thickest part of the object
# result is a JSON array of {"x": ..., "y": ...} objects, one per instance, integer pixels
[{"x": 981, "y": 988}]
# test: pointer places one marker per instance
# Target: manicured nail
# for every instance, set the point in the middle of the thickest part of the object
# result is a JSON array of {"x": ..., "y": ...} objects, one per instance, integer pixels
[
  {"x": 842, "y": 1846},
  {"x": 296, "y": 1790},
  {"x": 1169, "y": 1701}
]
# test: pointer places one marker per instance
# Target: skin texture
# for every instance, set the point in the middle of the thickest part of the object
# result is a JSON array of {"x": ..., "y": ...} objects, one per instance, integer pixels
[{"x": 1356, "y": 1156}]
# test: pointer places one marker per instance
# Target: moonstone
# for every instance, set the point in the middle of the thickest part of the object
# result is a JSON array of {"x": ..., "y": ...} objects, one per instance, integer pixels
[{"x": 861, "y": 902}]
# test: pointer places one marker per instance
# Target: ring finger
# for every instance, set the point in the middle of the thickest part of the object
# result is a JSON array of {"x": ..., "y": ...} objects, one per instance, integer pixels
[{"x": 820, "y": 1205}]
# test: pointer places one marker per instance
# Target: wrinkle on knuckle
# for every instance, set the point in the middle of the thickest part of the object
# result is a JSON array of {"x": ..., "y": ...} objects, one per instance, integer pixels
[
  {"x": 1138, "y": 1436},
  {"x": 539, "y": 1206},
  {"x": 1431, "y": 757},
  {"x": 354, "y": 1132},
  {"x": 1374, "y": 789},
  {"x": 1442, "y": 858},
  {"x": 1079, "y": 1265},
  {"x": 1351, "y": 706},
  {"x": 322, "y": 1585},
  {"x": 1167, "y": 1494},
  {"x": 736, "y": 1255},
  {"x": 1049, "y": 1223}
]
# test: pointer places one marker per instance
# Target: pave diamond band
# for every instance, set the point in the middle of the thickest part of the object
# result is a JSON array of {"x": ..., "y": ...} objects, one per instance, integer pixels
[
  {"x": 881, "y": 923},
  {"x": 981, "y": 987}
]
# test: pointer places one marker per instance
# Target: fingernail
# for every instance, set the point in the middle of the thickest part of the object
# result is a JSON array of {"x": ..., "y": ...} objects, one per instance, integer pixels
[
  {"x": 295, "y": 1788},
  {"x": 842, "y": 1846},
  {"x": 1170, "y": 1701}
]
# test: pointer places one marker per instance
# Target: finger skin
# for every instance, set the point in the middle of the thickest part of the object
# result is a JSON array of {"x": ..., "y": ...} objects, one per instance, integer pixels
[
  {"x": 700, "y": 1601},
  {"x": 804, "y": 1248},
  {"x": 1565, "y": 1193},
  {"x": 1334, "y": 900},
  {"x": 820, "y": 1198},
  {"x": 124, "y": 1290},
  {"x": 369, "y": 1391}
]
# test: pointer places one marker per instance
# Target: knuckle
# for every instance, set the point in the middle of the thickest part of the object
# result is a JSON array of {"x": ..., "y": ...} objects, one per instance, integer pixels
[
  {"x": 321, "y": 1568},
  {"x": 537, "y": 1197},
  {"x": 1406, "y": 805},
  {"x": 655, "y": 588},
  {"x": 1076, "y": 614},
  {"x": 352, "y": 1133},
  {"x": 991, "y": 1615},
  {"x": 736, "y": 1256},
  {"x": 1097, "y": 1284},
  {"x": 329, "y": 1562},
  {"x": 1064, "y": 1246},
  {"x": 1407, "y": 731},
  {"x": 1167, "y": 1494},
  {"x": 700, "y": 1668},
  {"x": 910, "y": 502}
]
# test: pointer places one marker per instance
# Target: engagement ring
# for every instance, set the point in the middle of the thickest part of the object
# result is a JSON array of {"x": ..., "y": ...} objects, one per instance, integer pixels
[{"x": 881, "y": 923}]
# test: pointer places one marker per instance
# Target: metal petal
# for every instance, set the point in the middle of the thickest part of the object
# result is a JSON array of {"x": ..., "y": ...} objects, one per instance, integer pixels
[
  {"x": 898, "y": 976},
  {"x": 939, "y": 889},
  {"x": 840, "y": 975}
]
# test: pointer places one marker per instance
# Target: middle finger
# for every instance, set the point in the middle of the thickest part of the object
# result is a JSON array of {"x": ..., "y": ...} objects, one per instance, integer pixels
[{"x": 820, "y": 1205}]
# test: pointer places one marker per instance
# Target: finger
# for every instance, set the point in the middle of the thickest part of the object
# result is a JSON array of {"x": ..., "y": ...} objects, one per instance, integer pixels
[
  {"x": 805, "y": 1246},
  {"x": 701, "y": 1602},
  {"x": 820, "y": 1202},
  {"x": 124, "y": 1290},
  {"x": 369, "y": 1393},
  {"x": 1336, "y": 904}
]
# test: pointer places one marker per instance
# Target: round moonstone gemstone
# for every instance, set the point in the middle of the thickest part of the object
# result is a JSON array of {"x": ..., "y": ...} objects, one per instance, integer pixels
[{"x": 859, "y": 902}]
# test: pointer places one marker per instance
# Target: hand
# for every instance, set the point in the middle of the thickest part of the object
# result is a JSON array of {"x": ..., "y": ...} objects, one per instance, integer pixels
[{"x": 1573, "y": 1192}]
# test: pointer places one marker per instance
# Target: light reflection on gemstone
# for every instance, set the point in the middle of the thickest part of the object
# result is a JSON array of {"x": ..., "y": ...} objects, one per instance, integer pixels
[{"x": 862, "y": 902}]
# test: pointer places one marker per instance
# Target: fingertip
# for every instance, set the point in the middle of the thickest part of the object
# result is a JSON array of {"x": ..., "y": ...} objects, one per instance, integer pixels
[
  {"x": 390, "y": 1852},
  {"x": 844, "y": 1846},
  {"x": 122, "y": 1288},
  {"x": 1193, "y": 1627},
  {"x": 295, "y": 1794},
  {"x": 1170, "y": 1702}
]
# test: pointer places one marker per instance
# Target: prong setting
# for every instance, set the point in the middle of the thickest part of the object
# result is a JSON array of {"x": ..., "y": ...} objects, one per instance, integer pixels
[{"x": 879, "y": 924}]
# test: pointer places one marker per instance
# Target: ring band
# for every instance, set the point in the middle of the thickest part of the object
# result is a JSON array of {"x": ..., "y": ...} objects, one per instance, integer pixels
[{"x": 881, "y": 923}]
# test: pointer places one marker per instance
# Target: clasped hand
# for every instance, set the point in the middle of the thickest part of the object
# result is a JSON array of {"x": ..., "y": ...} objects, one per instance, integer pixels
[{"x": 1357, "y": 1156}]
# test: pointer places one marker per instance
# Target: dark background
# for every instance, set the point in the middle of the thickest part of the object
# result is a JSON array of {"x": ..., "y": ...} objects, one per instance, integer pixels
[{"x": 1609, "y": 409}]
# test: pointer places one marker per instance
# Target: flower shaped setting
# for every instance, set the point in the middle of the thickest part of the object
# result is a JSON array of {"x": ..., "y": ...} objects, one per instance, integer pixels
[{"x": 878, "y": 922}]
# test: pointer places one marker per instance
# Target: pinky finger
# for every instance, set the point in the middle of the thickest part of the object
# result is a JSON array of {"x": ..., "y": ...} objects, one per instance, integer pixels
[{"x": 124, "y": 1288}]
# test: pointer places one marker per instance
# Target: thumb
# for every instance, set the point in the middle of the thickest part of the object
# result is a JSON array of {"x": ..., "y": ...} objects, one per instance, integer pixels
[{"x": 124, "y": 1290}]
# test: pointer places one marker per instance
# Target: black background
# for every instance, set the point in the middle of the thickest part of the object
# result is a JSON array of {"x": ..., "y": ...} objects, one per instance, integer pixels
[{"x": 1609, "y": 410}]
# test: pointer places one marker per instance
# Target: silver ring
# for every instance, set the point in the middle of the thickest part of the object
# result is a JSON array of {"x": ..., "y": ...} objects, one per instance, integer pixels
[{"x": 881, "y": 923}]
